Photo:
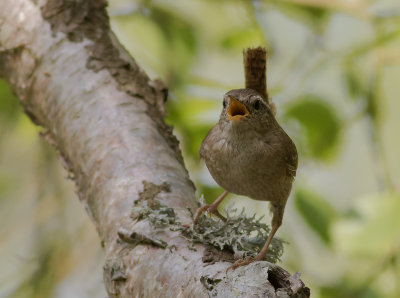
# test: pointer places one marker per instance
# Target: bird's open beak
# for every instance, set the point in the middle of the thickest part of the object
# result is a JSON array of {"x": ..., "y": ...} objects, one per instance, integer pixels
[{"x": 236, "y": 110}]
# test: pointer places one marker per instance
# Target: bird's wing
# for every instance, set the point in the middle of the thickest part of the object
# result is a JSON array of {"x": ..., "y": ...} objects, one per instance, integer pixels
[
  {"x": 291, "y": 158},
  {"x": 204, "y": 145}
]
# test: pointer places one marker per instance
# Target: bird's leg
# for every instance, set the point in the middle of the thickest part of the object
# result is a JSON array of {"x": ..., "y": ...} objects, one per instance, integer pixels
[
  {"x": 277, "y": 211},
  {"x": 213, "y": 208}
]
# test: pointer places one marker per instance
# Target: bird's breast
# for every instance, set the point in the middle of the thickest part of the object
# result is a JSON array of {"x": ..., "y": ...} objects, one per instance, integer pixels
[{"x": 242, "y": 166}]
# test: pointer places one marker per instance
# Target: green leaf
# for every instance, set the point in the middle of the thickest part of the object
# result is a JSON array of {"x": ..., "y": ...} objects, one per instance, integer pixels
[
  {"x": 181, "y": 40},
  {"x": 210, "y": 193},
  {"x": 348, "y": 288},
  {"x": 194, "y": 136},
  {"x": 310, "y": 15},
  {"x": 355, "y": 83},
  {"x": 188, "y": 115},
  {"x": 320, "y": 123},
  {"x": 147, "y": 45},
  {"x": 239, "y": 39},
  {"x": 316, "y": 211},
  {"x": 8, "y": 104},
  {"x": 7, "y": 184},
  {"x": 375, "y": 232}
]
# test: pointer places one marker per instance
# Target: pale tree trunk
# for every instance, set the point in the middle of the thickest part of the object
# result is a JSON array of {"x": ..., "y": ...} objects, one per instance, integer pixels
[{"x": 105, "y": 117}]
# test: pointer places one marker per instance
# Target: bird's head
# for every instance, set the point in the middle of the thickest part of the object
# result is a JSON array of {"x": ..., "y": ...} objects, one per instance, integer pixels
[{"x": 244, "y": 108}]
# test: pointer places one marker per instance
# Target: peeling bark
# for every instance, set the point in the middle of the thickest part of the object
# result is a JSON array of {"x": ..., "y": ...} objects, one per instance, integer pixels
[{"x": 105, "y": 117}]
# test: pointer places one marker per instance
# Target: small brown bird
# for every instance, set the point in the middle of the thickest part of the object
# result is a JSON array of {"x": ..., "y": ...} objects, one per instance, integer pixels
[{"x": 248, "y": 153}]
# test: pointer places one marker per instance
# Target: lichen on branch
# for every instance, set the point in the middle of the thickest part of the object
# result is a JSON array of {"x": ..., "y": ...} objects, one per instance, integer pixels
[{"x": 240, "y": 235}]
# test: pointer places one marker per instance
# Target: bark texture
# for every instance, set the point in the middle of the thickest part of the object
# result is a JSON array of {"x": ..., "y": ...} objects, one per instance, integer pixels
[{"x": 105, "y": 117}]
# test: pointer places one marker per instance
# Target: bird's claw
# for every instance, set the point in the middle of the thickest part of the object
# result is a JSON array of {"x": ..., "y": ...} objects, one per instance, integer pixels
[
  {"x": 209, "y": 208},
  {"x": 244, "y": 262}
]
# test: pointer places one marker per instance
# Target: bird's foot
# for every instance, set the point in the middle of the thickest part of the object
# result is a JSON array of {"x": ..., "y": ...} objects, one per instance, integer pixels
[
  {"x": 244, "y": 262},
  {"x": 207, "y": 208}
]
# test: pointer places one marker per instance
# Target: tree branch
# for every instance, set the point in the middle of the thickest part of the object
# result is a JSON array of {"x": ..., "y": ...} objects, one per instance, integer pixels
[{"x": 105, "y": 117}]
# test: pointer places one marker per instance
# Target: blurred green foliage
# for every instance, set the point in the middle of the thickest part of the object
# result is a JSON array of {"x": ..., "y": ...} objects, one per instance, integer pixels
[
  {"x": 9, "y": 108},
  {"x": 180, "y": 41},
  {"x": 46, "y": 240},
  {"x": 333, "y": 69},
  {"x": 320, "y": 123},
  {"x": 317, "y": 212}
]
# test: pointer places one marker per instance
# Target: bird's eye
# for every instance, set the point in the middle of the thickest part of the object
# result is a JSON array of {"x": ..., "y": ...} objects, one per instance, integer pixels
[
  {"x": 257, "y": 104},
  {"x": 224, "y": 103}
]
